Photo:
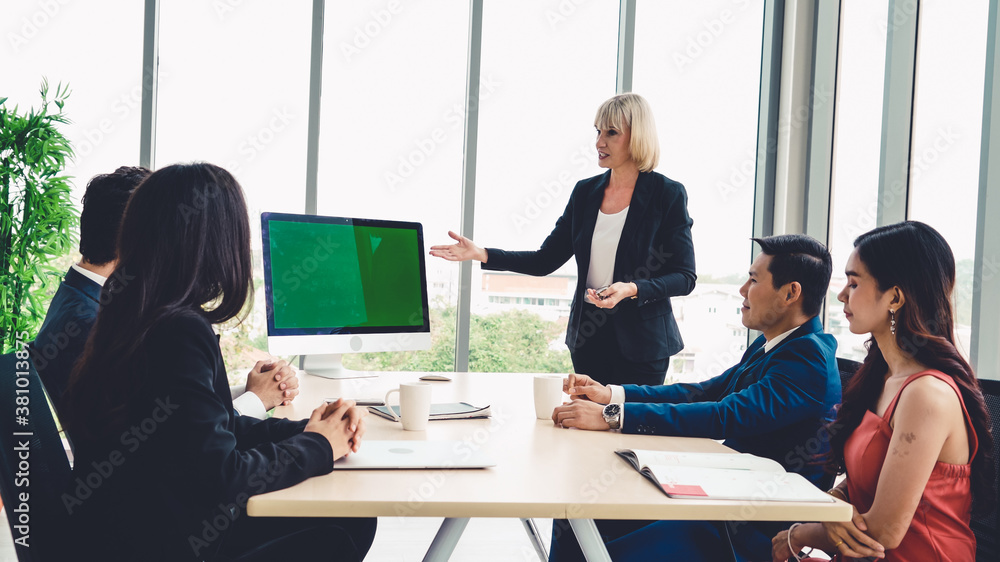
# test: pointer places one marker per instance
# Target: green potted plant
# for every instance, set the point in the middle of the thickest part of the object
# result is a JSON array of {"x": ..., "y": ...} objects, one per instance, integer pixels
[{"x": 37, "y": 217}]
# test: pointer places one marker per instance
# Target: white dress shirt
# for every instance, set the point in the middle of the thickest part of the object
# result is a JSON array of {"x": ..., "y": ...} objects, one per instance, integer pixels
[{"x": 604, "y": 248}]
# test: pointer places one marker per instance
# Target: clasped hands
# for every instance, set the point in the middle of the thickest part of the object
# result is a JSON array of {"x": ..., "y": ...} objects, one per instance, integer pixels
[
  {"x": 342, "y": 423},
  {"x": 585, "y": 410},
  {"x": 274, "y": 382}
]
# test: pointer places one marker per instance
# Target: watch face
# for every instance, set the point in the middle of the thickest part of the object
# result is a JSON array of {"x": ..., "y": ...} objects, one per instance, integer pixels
[{"x": 611, "y": 410}]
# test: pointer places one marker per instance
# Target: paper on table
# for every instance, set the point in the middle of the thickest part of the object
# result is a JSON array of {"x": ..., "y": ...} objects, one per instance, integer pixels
[{"x": 722, "y": 476}]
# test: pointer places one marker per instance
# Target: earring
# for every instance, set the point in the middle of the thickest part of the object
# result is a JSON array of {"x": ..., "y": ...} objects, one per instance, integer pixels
[{"x": 892, "y": 321}]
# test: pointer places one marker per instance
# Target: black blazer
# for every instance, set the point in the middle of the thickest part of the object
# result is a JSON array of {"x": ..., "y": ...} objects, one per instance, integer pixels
[
  {"x": 655, "y": 252},
  {"x": 172, "y": 482},
  {"x": 64, "y": 332}
]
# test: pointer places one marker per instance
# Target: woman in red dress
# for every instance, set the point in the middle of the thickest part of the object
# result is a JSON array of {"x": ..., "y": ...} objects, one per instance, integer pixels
[{"x": 912, "y": 434}]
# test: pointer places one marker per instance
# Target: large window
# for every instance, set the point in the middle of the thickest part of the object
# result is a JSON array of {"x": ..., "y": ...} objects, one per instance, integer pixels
[
  {"x": 947, "y": 130},
  {"x": 698, "y": 64},
  {"x": 74, "y": 43},
  {"x": 392, "y": 126},
  {"x": 234, "y": 91},
  {"x": 857, "y": 137},
  {"x": 546, "y": 72}
]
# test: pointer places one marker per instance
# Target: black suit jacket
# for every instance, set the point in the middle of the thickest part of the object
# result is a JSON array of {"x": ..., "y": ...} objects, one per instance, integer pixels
[
  {"x": 64, "y": 332},
  {"x": 170, "y": 483},
  {"x": 655, "y": 252}
]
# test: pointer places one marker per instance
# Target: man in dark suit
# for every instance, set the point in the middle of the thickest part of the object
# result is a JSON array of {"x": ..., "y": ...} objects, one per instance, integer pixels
[
  {"x": 74, "y": 307},
  {"x": 776, "y": 402}
]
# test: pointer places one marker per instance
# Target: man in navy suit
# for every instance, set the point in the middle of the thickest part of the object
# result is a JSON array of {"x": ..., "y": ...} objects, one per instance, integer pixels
[
  {"x": 776, "y": 403},
  {"x": 73, "y": 309}
]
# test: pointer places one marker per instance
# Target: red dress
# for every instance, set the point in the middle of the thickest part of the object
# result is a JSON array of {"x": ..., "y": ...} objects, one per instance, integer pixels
[{"x": 940, "y": 529}]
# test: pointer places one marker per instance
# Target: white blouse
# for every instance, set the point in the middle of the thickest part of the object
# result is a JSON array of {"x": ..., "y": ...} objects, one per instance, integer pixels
[{"x": 604, "y": 248}]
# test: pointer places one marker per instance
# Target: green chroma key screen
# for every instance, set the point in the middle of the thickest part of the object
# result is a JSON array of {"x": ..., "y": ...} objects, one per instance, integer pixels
[{"x": 345, "y": 275}]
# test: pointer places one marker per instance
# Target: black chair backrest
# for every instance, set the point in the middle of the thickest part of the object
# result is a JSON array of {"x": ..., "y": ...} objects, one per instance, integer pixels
[
  {"x": 847, "y": 369},
  {"x": 985, "y": 527},
  {"x": 34, "y": 469}
]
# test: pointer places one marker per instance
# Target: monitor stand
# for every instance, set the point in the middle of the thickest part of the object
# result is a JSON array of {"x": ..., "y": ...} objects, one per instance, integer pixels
[{"x": 329, "y": 366}]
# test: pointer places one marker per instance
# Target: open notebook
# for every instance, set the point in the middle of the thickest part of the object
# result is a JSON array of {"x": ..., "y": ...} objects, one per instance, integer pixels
[{"x": 722, "y": 476}]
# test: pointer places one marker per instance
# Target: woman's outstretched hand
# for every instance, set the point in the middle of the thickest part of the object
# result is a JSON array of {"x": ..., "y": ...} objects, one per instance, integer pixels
[{"x": 463, "y": 250}]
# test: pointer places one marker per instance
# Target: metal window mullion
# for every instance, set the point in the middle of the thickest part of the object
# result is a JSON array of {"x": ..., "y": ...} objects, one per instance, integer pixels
[
  {"x": 897, "y": 111},
  {"x": 315, "y": 103},
  {"x": 819, "y": 166},
  {"x": 150, "y": 78},
  {"x": 626, "y": 46},
  {"x": 767, "y": 125},
  {"x": 767, "y": 119},
  {"x": 984, "y": 352},
  {"x": 463, "y": 316},
  {"x": 795, "y": 116}
]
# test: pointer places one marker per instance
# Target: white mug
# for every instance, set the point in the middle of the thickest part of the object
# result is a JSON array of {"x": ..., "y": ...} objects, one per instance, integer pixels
[
  {"x": 414, "y": 405},
  {"x": 548, "y": 395}
]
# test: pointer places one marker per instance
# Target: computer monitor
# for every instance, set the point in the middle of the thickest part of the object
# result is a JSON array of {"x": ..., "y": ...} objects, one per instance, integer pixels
[{"x": 337, "y": 285}]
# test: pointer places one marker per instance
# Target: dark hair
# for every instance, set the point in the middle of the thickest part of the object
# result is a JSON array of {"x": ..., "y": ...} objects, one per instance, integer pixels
[
  {"x": 917, "y": 259},
  {"x": 184, "y": 248},
  {"x": 797, "y": 257},
  {"x": 103, "y": 206}
]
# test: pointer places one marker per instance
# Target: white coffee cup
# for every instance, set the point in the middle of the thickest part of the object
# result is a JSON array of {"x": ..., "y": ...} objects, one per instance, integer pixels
[
  {"x": 548, "y": 395},
  {"x": 414, "y": 405}
]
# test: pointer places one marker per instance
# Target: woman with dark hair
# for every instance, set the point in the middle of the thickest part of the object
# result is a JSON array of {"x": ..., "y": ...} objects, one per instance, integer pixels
[
  {"x": 913, "y": 433},
  {"x": 164, "y": 467}
]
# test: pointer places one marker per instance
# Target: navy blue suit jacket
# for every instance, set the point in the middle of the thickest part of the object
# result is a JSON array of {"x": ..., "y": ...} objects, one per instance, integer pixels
[
  {"x": 168, "y": 485},
  {"x": 655, "y": 252},
  {"x": 64, "y": 332},
  {"x": 774, "y": 405}
]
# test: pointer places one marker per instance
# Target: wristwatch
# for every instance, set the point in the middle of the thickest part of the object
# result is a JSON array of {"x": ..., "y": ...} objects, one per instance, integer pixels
[{"x": 613, "y": 415}]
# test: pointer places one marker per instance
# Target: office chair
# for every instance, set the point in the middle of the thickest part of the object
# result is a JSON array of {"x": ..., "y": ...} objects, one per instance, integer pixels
[
  {"x": 847, "y": 369},
  {"x": 985, "y": 526},
  {"x": 33, "y": 462}
]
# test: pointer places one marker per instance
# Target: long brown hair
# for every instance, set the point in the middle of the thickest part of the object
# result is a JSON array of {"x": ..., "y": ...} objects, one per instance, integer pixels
[
  {"x": 916, "y": 258},
  {"x": 183, "y": 248}
]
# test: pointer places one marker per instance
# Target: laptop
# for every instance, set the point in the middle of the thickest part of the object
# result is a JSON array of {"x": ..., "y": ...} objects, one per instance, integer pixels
[{"x": 415, "y": 455}]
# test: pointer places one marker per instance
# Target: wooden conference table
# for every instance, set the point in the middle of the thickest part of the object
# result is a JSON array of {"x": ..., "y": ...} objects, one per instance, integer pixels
[{"x": 542, "y": 470}]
